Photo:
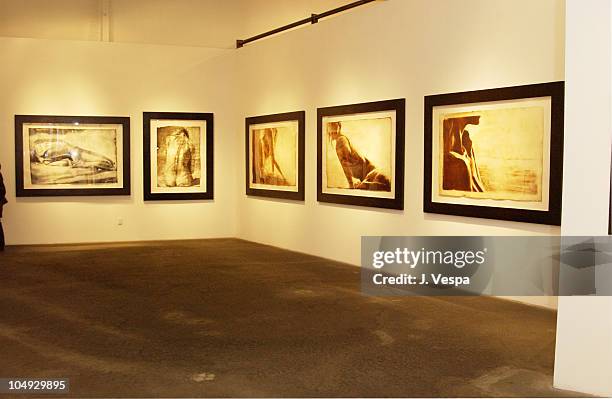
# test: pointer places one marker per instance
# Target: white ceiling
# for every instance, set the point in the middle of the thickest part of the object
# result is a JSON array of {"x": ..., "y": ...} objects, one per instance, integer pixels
[{"x": 208, "y": 23}]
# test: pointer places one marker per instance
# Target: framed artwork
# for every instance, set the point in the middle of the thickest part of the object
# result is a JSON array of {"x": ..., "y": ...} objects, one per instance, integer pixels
[
  {"x": 72, "y": 155},
  {"x": 496, "y": 154},
  {"x": 360, "y": 154},
  {"x": 275, "y": 155},
  {"x": 178, "y": 156}
]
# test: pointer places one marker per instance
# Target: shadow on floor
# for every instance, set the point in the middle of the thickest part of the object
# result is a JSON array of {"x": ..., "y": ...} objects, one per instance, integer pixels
[{"x": 218, "y": 318}]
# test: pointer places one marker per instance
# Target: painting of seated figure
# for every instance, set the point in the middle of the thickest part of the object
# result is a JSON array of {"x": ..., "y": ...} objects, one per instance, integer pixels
[
  {"x": 360, "y": 154},
  {"x": 178, "y": 156}
]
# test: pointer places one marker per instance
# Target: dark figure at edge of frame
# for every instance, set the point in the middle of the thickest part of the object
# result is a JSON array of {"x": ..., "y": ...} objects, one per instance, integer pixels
[
  {"x": 460, "y": 169},
  {"x": 355, "y": 165},
  {"x": 2, "y": 202}
]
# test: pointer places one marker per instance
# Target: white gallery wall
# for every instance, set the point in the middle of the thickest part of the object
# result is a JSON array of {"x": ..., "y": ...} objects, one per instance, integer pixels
[
  {"x": 583, "y": 357},
  {"x": 206, "y": 23},
  {"x": 391, "y": 49},
  {"x": 396, "y": 49},
  {"x": 48, "y": 77}
]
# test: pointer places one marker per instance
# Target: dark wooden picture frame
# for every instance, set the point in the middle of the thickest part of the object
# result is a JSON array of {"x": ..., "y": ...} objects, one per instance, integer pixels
[
  {"x": 300, "y": 118},
  {"x": 398, "y": 106},
  {"x": 208, "y": 118},
  {"x": 554, "y": 91},
  {"x": 72, "y": 121}
]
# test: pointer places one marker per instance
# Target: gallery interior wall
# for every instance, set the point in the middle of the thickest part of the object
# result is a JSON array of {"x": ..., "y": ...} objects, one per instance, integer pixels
[
  {"x": 397, "y": 49},
  {"x": 583, "y": 357},
  {"x": 207, "y": 23},
  {"x": 87, "y": 78},
  {"x": 391, "y": 49}
]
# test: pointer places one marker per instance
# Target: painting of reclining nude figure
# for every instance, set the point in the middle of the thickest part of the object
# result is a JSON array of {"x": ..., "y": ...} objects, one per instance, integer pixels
[
  {"x": 177, "y": 147},
  {"x": 71, "y": 155},
  {"x": 275, "y": 155},
  {"x": 495, "y": 153},
  {"x": 360, "y": 154}
]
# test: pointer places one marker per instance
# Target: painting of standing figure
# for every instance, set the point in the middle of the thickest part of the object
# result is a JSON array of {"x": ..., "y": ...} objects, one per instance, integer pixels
[
  {"x": 72, "y": 156},
  {"x": 275, "y": 155},
  {"x": 495, "y": 153},
  {"x": 361, "y": 154},
  {"x": 178, "y": 156},
  {"x": 269, "y": 147}
]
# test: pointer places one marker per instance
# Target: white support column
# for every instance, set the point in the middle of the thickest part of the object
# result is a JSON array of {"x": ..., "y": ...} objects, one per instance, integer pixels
[
  {"x": 105, "y": 15},
  {"x": 583, "y": 359}
]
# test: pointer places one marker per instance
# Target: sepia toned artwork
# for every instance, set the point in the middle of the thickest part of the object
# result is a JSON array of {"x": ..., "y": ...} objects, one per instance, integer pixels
[
  {"x": 72, "y": 156},
  {"x": 496, "y": 155},
  {"x": 275, "y": 155},
  {"x": 361, "y": 154},
  {"x": 178, "y": 156}
]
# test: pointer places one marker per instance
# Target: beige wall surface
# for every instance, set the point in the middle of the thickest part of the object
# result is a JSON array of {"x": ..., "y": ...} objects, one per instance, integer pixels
[
  {"x": 57, "y": 19},
  {"x": 206, "y": 23},
  {"x": 85, "y": 78},
  {"x": 583, "y": 357},
  {"x": 396, "y": 49},
  {"x": 391, "y": 49}
]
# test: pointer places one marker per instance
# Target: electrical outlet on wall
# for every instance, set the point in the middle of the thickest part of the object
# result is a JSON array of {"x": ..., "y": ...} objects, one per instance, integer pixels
[{"x": 119, "y": 221}]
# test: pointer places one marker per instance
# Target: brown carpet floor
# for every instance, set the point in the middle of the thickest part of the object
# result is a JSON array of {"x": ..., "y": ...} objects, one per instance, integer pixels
[{"x": 219, "y": 318}]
